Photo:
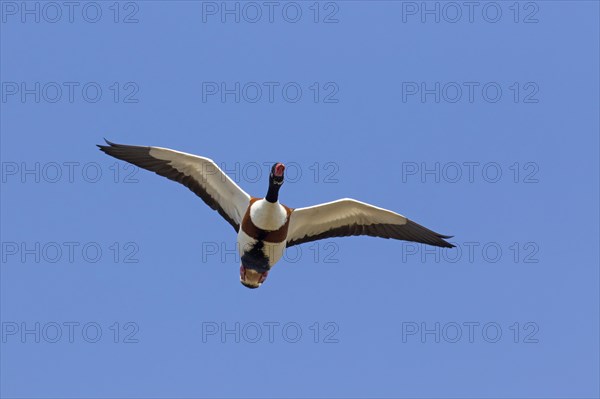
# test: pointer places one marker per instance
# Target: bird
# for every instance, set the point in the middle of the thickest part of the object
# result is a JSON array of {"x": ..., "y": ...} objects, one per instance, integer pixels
[{"x": 264, "y": 227}]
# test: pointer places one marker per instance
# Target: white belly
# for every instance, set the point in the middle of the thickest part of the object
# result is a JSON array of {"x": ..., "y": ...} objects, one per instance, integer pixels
[
  {"x": 268, "y": 216},
  {"x": 274, "y": 251}
]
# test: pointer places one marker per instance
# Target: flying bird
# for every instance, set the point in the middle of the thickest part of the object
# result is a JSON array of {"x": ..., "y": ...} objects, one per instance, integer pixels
[{"x": 265, "y": 227}]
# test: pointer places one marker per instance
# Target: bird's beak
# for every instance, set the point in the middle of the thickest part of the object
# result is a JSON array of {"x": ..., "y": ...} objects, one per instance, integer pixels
[
  {"x": 279, "y": 169},
  {"x": 251, "y": 278}
]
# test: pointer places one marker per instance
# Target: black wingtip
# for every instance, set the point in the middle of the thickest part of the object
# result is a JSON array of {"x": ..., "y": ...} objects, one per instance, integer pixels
[
  {"x": 103, "y": 148},
  {"x": 447, "y": 244}
]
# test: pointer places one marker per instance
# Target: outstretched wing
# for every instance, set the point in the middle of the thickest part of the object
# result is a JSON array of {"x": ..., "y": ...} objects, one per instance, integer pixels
[
  {"x": 348, "y": 217},
  {"x": 201, "y": 175}
]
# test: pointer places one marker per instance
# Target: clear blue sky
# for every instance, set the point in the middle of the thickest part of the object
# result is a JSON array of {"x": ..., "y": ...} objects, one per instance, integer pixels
[{"x": 516, "y": 98}]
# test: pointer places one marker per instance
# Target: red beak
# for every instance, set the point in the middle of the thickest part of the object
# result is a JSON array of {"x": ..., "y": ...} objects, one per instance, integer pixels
[
  {"x": 279, "y": 168},
  {"x": 258, "y": 277}
]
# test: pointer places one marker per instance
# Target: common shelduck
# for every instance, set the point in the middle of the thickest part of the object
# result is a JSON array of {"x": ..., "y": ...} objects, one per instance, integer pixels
[{"x": 264, "y": 226}]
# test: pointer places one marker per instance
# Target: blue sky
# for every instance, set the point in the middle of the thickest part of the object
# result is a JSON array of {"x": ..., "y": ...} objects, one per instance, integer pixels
[{"x": 482, "y": 124}]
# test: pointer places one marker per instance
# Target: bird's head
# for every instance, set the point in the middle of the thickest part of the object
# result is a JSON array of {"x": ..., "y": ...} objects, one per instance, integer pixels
[{"x": 276, "y": 176}]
